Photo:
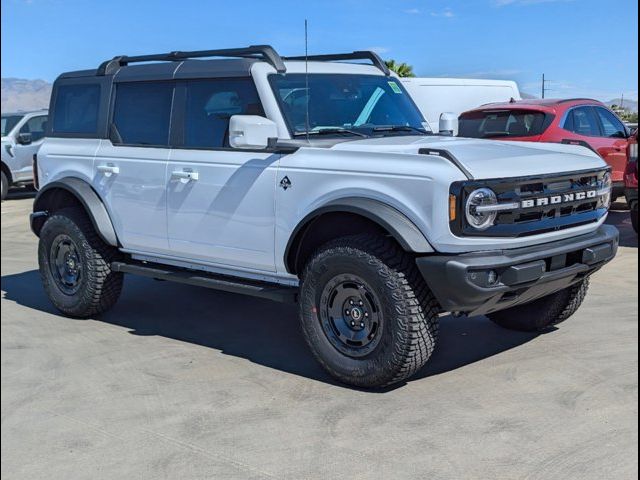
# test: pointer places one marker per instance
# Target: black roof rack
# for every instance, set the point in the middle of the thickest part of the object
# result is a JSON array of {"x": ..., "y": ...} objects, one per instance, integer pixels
[
  {"x": 264, "y": 52},
  {"x": 360, "y": 55}
]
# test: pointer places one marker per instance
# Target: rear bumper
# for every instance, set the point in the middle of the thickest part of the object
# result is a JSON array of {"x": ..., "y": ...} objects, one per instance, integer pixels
[{"x": 464, "y": 283}]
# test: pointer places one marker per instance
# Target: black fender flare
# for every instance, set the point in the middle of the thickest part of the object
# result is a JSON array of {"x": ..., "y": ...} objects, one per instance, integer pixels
[
  {"x": 87, "y": 197},
  {"x": 403, "y": 230}
]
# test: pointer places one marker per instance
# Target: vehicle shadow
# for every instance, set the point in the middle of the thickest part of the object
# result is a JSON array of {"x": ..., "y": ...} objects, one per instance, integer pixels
[
  {"x": 261, "y": 331},
  {"x": 621, "y": 219}
]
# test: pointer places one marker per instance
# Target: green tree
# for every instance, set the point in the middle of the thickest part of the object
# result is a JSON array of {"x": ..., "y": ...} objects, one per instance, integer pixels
[{"x": 402, "y": 69}]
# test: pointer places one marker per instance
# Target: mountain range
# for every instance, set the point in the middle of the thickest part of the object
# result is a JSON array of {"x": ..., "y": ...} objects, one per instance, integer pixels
[{"x": 19, "y": 94}]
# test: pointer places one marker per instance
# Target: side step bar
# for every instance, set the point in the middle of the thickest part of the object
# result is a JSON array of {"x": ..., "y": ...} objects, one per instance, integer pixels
[{"x": 270, "y": 291}]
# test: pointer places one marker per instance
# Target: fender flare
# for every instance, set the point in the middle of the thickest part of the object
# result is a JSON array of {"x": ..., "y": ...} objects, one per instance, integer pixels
[
  {"x": 403, "y": 230},
  {"x": 87, "y": 197}
]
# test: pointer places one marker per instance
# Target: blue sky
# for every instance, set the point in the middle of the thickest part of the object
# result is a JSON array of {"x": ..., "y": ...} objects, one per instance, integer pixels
[{"x": 586, "y": 47}]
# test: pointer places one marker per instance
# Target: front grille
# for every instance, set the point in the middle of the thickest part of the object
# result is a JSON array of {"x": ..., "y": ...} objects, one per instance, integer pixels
[{"x": 544, "y": 216}]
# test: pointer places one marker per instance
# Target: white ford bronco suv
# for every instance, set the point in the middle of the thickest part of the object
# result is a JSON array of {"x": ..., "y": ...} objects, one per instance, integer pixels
[
  {"x": 311, "y": 180},
  {"x": 22, "y": 135}
]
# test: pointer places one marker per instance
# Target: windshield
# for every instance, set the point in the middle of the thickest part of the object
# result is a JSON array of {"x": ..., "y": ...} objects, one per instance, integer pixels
[
  {"x": 359, "y": 105},
  {"x": 501, "y": 123},
  {"x": 8, "y": 122}
]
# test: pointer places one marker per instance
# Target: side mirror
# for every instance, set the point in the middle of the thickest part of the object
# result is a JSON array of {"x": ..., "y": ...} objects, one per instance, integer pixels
[
  {"x": 448, "y": 124},
  {"x": 24, "y": 138},
  {"x": 251, "y": 131}
]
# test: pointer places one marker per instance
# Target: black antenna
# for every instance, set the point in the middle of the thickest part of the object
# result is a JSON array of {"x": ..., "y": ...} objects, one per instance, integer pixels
[{"x": 306, "y": 74}]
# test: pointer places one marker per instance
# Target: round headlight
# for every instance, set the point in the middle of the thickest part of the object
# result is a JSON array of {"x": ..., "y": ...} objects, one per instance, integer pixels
[
  {"x": 477, "y": 218},
  {"x": 607, "y": 187}
]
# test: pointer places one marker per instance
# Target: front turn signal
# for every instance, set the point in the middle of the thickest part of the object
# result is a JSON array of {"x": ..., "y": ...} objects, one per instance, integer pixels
[{"x": 453, "y": 201}]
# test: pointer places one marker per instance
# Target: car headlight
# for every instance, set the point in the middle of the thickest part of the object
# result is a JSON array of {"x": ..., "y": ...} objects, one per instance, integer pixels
[
  {"x": 478, "y": 215},
  {"x": 605, "y": 190}
]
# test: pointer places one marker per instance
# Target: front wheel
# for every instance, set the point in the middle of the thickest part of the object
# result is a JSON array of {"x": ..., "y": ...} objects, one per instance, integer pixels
[
  {"x": 545, "y": 312},
  {"x": 75, "y": 265},
  {"x": 5, "y": 186},
  {"x": 366, "y": 313}
]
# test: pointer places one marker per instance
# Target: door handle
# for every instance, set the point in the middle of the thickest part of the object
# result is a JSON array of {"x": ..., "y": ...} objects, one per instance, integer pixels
[
  {"x": 185, "y": 175},
  {"x": 108, "y": 170}
]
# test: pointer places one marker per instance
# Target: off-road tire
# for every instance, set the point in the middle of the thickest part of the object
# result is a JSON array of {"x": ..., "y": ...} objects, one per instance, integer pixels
[
  {"x": 544, "y": 313},
  {"x": 634, "y": 217},
  {"x": 408, "y": 309},
  {"x": 98, "y": 286},
  {"x": 5, "y": 186}
]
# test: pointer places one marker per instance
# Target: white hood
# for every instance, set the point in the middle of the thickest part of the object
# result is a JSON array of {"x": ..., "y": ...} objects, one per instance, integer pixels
[{"x": 485, "y": 159}]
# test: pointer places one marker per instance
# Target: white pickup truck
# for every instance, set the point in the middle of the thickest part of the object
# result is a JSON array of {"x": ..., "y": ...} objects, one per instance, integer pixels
[{"x": 311, "y": 180}]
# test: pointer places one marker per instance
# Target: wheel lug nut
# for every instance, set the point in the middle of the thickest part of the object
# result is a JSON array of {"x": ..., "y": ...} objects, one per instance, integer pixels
[
  {"x": 353, "y": 324},
  {"x": 366, "y": 314},
  {"x": 361, "y": 324},
  {"x": 360, "y": 303},
  {"x": 350, "y": 302},
  {"x": 347, "y": 312}
]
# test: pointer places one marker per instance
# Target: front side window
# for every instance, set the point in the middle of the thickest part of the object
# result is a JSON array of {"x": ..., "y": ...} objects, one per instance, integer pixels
[
  {"x": 36, "y": 126},
  {"x": 76, "y": 109},
  {"x": 357, "y": 104},
  {"x": 501, "y": 123},
  {"x": 210, "y": 105},
  {"x": 583, "y": 121},
  {"x": 142, "y": 113},
  {"x": 612, "y": 127},
  {"x": 9, "y": 122}
]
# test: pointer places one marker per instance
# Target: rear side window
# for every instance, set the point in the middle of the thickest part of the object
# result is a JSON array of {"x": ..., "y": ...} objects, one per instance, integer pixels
[
  {"x": 612, "y": 126},
  {"x": 142, "y": 113},
  {"x": 76, "y": 109},
  {"x": 583, "y": 121},
  {"x": 501, "y": 123},
  {"x": 210, "y": 105}
]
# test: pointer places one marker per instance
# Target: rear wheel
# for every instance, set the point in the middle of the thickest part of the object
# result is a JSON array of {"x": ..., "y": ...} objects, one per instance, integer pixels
[
  {"x": 366, "y": 313},
  {"x": 75, "y": 265},
  {"x": 545, "y": 312}
]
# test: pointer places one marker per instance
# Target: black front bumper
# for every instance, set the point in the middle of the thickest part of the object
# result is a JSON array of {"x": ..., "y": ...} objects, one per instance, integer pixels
[{"x": 486, "y": 282}]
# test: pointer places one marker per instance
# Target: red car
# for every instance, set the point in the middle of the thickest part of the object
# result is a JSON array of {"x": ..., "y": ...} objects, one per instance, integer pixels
[
  {"x": 631, "y": 180},
  {"x": 583, "y": 122}
]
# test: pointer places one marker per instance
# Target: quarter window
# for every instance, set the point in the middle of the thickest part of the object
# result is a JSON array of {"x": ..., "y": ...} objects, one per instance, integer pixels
[
  {"x": 76, "y": 109},
  {"x": 612, "y": 127},
  {"x": 142, "y": 113},
  {"x": 210, "y": 105}
]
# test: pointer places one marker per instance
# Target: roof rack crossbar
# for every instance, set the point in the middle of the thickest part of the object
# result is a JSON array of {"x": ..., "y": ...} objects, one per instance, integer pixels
[
  {"x": 265, "y": 52},
  {"x": 359, "y": 55}
]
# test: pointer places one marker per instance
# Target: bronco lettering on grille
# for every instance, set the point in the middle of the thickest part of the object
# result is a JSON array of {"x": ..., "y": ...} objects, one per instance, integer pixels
[{"x": 559, "y": 199}]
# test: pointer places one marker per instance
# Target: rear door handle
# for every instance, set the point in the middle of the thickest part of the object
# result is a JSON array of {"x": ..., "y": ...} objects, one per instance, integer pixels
[
  {"x": 108, "y": 170},
  {"x": 185, "y": 175}
]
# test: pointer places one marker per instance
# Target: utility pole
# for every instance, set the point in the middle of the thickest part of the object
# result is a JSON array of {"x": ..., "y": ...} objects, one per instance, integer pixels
[
  {"x": 622, "y": 102},
  {"x": 544, "y": 85}
]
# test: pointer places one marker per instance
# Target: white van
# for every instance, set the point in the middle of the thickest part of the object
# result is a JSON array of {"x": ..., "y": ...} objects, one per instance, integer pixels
[{"x": 434, "y": 96}]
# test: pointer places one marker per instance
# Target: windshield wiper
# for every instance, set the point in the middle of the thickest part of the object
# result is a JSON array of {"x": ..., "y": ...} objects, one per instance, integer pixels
[
  {"x": 401, "y": 128},
  {"x": 329, "y": 131}
]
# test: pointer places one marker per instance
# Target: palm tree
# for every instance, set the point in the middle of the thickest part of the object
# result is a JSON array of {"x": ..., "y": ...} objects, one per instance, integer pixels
[{"x": 402, "y": 69}]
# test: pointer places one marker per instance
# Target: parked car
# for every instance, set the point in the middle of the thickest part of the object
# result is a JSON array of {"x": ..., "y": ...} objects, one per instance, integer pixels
[
  {"x": 435, "y": 96},
  {"x": 583, "y": 122},
  {"x": 22, "y": 135},
  {"x": 631, "y": 180},
  {"x": 220, "y": 173}
]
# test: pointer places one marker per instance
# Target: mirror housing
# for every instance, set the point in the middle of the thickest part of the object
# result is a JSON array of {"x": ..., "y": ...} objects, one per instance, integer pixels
[
  {"x": 251, "y": 131},
  {"x": 24, "y": 138},
  {"x": 448, "y": 124}
]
